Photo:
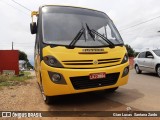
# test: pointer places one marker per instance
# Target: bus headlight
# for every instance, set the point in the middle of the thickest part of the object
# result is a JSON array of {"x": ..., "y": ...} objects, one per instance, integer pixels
[
  {"x": 56, "y": 78},
  {"x": 125, "y": 59},
  {"x": 125, "y": 71},
  {"x": 52, "y": 61}
]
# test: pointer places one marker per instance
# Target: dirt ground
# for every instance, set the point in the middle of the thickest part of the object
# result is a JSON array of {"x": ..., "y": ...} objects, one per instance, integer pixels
[{"x": 27, "y": 97}]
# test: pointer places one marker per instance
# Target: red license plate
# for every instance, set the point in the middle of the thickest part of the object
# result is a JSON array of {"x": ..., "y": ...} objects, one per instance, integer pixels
[{"x": 97, "y": 76}]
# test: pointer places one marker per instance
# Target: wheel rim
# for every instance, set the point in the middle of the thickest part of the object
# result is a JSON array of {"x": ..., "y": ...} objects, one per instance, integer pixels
[
  {"x": 137, "y": 69},
  {"x": 158, "y": 71},
  {"x": 43, "y": 95}
]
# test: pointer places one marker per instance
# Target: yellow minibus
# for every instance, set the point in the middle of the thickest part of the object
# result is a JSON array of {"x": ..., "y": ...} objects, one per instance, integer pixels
[{"x": 77, "y": 50}]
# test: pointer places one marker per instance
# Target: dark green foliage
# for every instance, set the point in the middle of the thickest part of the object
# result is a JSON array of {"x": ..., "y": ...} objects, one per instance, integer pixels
[
  {"x": 131, "y": 52},
  {"x": 136, "y": 53},
  {"x": 23, "y": 56},
  {"x": 29, "y": 65}
]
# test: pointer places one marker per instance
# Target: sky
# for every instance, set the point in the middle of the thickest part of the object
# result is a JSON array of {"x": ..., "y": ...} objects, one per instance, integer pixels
[{"x": 15, "y": 21}]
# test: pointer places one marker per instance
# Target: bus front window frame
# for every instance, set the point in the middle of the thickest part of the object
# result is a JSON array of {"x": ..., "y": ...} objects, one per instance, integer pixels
[{"x": 110, "y": 23}]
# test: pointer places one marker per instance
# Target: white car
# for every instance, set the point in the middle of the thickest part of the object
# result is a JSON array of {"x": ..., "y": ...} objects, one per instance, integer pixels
[{"x": 148, "y": 61}]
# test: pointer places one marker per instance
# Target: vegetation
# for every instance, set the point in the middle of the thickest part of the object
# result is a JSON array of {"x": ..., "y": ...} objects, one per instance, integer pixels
[
  {"x": 131, "y": 52},
  {"x": 136, "y": 53},
  {"x": 23, "y": 56},
  {"x": 29, "y": 66},
  {"x": 11, "y": 80}
]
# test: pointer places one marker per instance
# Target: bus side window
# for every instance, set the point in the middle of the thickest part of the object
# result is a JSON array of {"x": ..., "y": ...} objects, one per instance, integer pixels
[
  {"x": 110, "y": 33},
  {"x": 106, "y": 32}
]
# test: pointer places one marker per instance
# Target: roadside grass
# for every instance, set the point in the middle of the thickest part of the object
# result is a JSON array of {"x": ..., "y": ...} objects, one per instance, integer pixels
[{"x": 12, "y": 80}]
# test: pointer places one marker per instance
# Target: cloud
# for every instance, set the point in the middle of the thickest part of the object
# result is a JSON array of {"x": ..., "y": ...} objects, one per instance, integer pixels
[
  {"x": 125, "y": 13},
  {"x": 142, "y": 43}
]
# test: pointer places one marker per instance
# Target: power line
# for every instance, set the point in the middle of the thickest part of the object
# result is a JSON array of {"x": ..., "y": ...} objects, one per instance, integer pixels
[
  {"x": 25, "y": 43},
  {"x": 14, "y": 7},
  {"x": 21, "y": 5},
  {"x": 140, "y": 23}
]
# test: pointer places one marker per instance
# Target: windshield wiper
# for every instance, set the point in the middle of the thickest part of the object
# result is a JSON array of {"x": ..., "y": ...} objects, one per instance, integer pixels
[
  {"x": 91, "y": 31},
  {"x": 78, "y": 36}
]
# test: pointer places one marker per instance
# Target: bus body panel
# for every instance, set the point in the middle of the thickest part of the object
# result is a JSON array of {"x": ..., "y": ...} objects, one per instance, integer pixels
[
  {"x": 63, "y": 54},
  {"x": 53, "y": 89}
]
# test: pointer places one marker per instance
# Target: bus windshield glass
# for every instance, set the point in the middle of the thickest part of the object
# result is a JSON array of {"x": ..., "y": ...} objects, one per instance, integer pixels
[{"x": 60, "y": 25}]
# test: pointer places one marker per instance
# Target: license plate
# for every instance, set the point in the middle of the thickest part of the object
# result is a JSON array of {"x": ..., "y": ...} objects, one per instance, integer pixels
[{"x": 97, "y": 76}]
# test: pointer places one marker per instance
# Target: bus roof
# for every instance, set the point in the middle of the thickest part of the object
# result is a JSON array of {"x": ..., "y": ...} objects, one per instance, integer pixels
[{"x": 72, "y": 7}]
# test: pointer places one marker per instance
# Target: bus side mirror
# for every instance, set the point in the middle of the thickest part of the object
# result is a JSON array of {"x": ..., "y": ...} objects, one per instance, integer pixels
[{"x": 33, "y": 27}]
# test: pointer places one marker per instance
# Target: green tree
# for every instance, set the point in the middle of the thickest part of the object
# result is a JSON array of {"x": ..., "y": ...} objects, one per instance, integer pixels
[
  {"x": 131, "y": 52},
  {"x": 136, "y": 53},
  {"x": 29, "y": 66},
  {"x": 23, "y": 56}
]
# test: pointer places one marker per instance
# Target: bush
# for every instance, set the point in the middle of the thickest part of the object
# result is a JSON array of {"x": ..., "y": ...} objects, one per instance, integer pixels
[{"x": 11, "y": 80}]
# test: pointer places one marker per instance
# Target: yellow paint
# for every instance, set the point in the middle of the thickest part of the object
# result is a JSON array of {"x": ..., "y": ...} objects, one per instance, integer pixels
[{"x": 62, "y": 53}]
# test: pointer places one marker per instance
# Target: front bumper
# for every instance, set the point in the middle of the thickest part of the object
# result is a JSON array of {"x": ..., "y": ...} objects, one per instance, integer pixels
[{"x": 52, "y": 89}]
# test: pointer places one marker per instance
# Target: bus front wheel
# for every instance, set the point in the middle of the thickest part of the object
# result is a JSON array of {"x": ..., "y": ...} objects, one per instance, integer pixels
[
  {"x": 48, "y": 99},
  {"x": 110, "y": 90}
]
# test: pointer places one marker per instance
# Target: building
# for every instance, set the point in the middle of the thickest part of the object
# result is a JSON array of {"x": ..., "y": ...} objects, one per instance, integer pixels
[{"x": 9, "y": 61}]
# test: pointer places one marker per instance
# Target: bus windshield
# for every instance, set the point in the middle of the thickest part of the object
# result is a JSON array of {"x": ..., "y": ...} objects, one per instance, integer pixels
[{"x": 60, "y": 25}]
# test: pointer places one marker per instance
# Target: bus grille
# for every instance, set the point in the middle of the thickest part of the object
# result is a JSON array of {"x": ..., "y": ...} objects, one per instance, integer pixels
[
  {"x": 90, "y": 62},
  {"x": 84, "y": 82}
]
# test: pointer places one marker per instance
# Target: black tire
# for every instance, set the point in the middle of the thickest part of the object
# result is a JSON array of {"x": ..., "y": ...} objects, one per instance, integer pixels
[
  {"x": 138, "y": 71},
  {"x": 111, "y": 90},
  {"x": 48, "y": 100},
  {"x": 158, "y": 70}
]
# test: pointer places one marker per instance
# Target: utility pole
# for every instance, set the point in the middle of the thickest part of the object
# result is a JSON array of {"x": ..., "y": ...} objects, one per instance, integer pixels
[{"x": 12, "y": 45}]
